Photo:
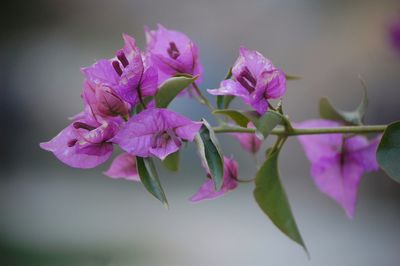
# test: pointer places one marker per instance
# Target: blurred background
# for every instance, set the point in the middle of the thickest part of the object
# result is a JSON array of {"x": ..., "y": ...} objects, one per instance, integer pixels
[{"x": 55, "y": 215}]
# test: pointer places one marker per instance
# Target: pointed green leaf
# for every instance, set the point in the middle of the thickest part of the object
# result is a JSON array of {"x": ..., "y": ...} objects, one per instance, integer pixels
[
  {"x": 223, "y": 101},
  {"x": 271, "y": 197},
  {"x": 171, "y": 88},
  {"x": 388, "y": 153},
  {"x": 236, "y": 116},
  {"x": 149, "y": 177},
  {"x": 171, "y": 162},
  {"x": 211, "y": 154},
  {"x": 292, "y": 77},
  {"x": 355, "y": 117},
  {"x": 266, "y": 123}
]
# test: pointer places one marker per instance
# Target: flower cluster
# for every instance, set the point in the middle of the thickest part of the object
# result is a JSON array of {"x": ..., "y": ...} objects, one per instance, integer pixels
[
  {"x": 125, "y": 103},
  {"x": 112, "y": 91}
]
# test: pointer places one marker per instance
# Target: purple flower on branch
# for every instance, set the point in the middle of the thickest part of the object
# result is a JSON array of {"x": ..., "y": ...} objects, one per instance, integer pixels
[
  {"x": 255, "y": 80},
  {"x": 156, "y": 132},
  {"x": 172, "y": 52},
  {"x": 207, "y": 190},
  {"x": 123, "y": 166},
  {"x": 84, "y": 143},
  {"x": 338, "y": 162},
  {"x": 129, "y": 74}
]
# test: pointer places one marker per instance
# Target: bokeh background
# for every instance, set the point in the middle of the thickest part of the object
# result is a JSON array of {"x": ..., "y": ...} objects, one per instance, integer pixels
[{"x": 51, "y": 214}]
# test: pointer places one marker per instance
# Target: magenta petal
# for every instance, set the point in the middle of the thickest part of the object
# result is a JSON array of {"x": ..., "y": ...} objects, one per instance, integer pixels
[
  {"x": 148, "y": 84},
  {"x": 272, "y": 83},
  {"x": 123, "y": 166},
  {"x": 165, "y": 150},
  {"x": 70, "y": 155},
  {"x": 363, "y": 151},
  {"x": 101, "y": 72},
  {"x": 338, "y": 181},
  {"x": 230, "y": 87},
  {"x": 321, "y": 146},
  {"x": 207, "y": 190},
  {"x": 253, "y": 60},
  {"x": 156, "y": 132},
  {"x": 172, "y": 52},
  {"x": 248, "y": 141}
]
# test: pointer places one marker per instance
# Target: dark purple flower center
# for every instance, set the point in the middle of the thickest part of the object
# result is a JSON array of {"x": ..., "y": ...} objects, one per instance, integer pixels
[
  {"x": 161, "y": 139},
  {"x": 173, "y": 51},
  {"x": 82, "y": 125},
  {"x": 72, "y": 142},
  {"x": 121, "y": 60},
  {"x": 117, "y": 67},
  {"x": 247, "y": 80}
]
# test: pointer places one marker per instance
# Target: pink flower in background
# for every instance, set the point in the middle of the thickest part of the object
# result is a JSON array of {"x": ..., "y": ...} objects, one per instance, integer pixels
[
  {"x": 124, "y": 167},
  {"x": 248, "y": 141},
  {"x": 172, "y": 52},
  {"x": 83, "y": 144},
  {"x": 394, "y": 33},
  {"x": 338, "y": 162},
  {"x": 207, "y": 190},
  {"x": 255, "y": 80},
  {"x": 156, "y": 132},
  {"x": 129, "y": 74}
]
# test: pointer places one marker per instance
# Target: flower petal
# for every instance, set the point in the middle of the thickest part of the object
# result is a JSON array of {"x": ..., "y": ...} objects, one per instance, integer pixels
[
  {"x": 317, "y": 147},
  {"x": 123, "y": 166},
  {"x": 70, "y": 155}
]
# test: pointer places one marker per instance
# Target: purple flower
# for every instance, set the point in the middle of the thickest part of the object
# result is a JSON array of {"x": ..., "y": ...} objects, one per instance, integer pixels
[
  {"x": 84, "y": 143},
  {"x": 156, "y": 132},
  {"x": 172, "y": 52},
  {"x": 248, "y": 141},
  {"x": 255, "y": 80},
  {"x": 103, "y": 101},
  {"x": 394, "y": 33},
  {"x": 207, "y": 191},
  {"x": 129, "y": 74},
  {"x": 123, "y": 166},
  {"x": 338, "y": 161}
]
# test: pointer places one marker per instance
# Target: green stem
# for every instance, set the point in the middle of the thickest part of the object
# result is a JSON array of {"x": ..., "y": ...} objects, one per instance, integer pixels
[
  {"x": 204, "y": 100},
  {"x": 281, "y": 131}
]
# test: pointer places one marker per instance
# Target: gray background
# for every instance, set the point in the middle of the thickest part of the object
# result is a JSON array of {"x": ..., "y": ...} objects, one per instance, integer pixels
[{"x": 55, "y": 215}]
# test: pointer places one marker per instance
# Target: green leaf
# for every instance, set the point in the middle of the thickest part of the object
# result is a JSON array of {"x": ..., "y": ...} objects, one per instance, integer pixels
[
  {"x": 171, "y": 88},
  {"x": 292, "y": 77},
  {"x": 149, "y": 177},
  {"x": 266, "y": 123},
  {"x": 355, "y": 117},
  {"x": 171, "y": 162},
  {"x": 388, "y": 153},
  {"x": 239, "y": 118},
  {"x": 211, "y": 154},
  {"x": 271, "y": 197},
  {"x": 223, "y": 101}
]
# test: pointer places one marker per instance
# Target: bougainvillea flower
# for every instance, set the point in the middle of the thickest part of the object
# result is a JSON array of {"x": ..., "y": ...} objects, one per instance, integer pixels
[
  {"x": 207, "y": 190},
  {"x": 156, "y": 132},
  {"x": 394, "y": 33},
  {"x": 338, "y": 162},
  {"x": 83, "y": 144},
  {"x": 104, "y": 101},
  {"x": 172, "y": 52},
  {"x": 129, "y": 74},
  {"x": 255, "y": 80},
  {"x": 248, "y": 141},
  {"x": 123, "y": 166}
]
